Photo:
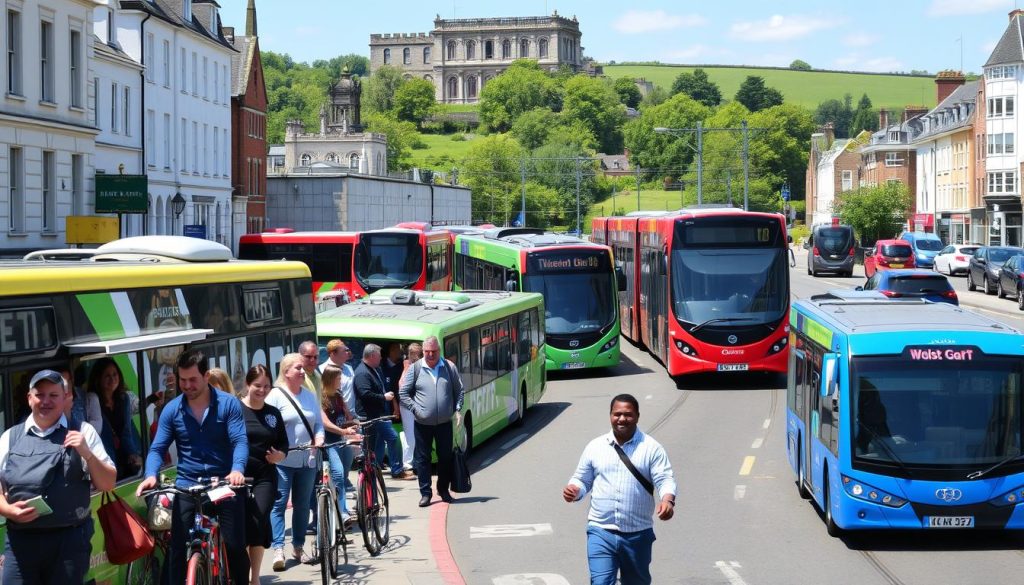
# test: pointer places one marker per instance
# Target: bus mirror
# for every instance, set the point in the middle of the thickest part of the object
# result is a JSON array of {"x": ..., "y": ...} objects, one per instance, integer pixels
[
  {"x": 789, "y": 239},
  {"x": 620, "y": 278},
  {"x": 829, "y": 374}
]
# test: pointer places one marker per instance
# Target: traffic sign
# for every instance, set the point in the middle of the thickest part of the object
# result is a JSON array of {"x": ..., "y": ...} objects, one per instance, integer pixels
[{"x": 785, "y": 192}]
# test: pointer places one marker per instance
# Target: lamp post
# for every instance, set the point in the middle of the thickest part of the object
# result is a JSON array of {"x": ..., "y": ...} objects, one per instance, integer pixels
[{"x": 177, "y": 205}]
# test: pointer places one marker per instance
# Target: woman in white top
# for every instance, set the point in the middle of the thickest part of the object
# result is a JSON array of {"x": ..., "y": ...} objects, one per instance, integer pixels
[{"x": 300, "y": 411}]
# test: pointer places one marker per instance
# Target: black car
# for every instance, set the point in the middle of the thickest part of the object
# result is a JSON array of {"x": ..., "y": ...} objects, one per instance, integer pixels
[
  {"x": 983, "y": 269},
  {"x": 1011, "y": 280}
]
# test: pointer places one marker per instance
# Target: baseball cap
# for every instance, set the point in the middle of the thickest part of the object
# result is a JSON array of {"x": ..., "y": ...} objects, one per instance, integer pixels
[{"x": 47, "y": 375}]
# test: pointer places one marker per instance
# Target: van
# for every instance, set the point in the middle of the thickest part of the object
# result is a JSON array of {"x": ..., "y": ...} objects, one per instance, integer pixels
[
  {"x": 831, "y": 249},
  {"x": 926, "y": 245}
]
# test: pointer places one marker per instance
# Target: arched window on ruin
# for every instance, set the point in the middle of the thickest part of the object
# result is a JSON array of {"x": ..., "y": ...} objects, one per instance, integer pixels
[
  {"x": 407, "y": 56},
  {"x": 426, "y": 55},
  {"x": 305, "y": 160},
  {"x": 387, "y": 56},
  {"x": 506, "y": 49},
  {"x": 542, "y": 48},
  {"x": 470, "y": 50},
  {"x": 451, "y": 50},
  {"x": 524, "y": 48},
  {"x": 453, "y": 87}
]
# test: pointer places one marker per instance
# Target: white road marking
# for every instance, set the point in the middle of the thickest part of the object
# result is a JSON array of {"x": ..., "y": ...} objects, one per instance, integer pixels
[
  {"x": 510, "y": 530},
  {"x": 738, "y": 492},
  {"x": 729, "y": 570},
  {"x": 530, "y": 579},
  {"x": 748, "y": 464},
  {"x": 767, "y": 423},
  {"x": 757, "y": 444},
  {"x": 512, "y": 443},
  {"x": 649, "y": 396}
]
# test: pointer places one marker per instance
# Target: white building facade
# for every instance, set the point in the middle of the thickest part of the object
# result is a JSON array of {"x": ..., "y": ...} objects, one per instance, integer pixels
[{"x": 47, "y": 137}]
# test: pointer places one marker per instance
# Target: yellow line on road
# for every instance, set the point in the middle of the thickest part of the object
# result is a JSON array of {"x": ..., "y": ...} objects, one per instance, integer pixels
[{"x": 748, "y": 464}]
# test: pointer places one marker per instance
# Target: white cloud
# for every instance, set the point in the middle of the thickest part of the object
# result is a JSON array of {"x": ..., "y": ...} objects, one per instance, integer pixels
[
  {"x": 859, "y": 39},
  {"x": 688, "y": 54},
  {"x": 643, "y": 21},
  {"x": 960, "y": 7},
  {"x": 780, "y": 28}
]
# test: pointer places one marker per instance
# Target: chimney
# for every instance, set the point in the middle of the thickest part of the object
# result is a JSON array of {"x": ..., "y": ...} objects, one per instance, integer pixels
[
  {"x": 1015, "y": 13},
  {"x": 250, "y": 19},
  {"x": 229, "y": 34},
  {"x": 883, "y": 118},
  {"x": 830, "y": 134},
  {"x": 946, "y": 83}
]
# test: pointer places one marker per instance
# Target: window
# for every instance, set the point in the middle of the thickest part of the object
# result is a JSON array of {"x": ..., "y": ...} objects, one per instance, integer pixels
[
  {"x": 453, "y": 87},
  {"x": 387, "y": 56},
  {"x": 224, "y": 83},
  {"x": 524, "y": 48},
  {"x": 75, "y": 65},
  {"x": 114, "y": 100},
  {"x": 488, "y": 49},
  {"x": 506, "y": 49},
  {"x": 847, "y": 180},
  {"x": 426, "y": 55},
  {"x": 151, "y": 138},
  {"x": 470, "y": 50},
  {"x": 894, "y": 136},
  {"x": 195, "y": 147},
  {"x": 1005, "y": 72},
  {"x": 471, "y": 87},
  {"x": 167, "y": 64},
  {"x": 451, "y": 50},
  {"x": 216, "y": 150},
  {"x": 167, "y": 141},
  {"x": 16, "y": 203},
  {"x": 227, "y": 153},
  {"x": 206, "y": 79},
  {"x": 46, "y": 63},
  {"x": 1000, "y": 143},
  {"x": 206, "y": 144},
  {"x": 407, "y": 56},
  {"x": 353, "y": 162},
  {"x": 147, "y": 59},
  {"x": 1002, "y": 182},
  {"x": 195, "y": 73},
  {"x": 127, "y": 111},
  {"x": 183, "y": 162},
  {"x": 1000, "y": 107},
  {"x": 49, "y": 197},
  {"x": 184, "y": 71},
  {"x": 542, "y": 48},
  {"x": 892, "y": 159},
  {"x": 77, "y": 184},
  {"x": 13, "y": 52},
  {"x": 305, "y": 160}
]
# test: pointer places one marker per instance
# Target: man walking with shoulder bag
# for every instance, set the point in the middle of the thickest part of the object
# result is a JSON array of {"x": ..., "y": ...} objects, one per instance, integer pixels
[{"x": 621, "y": 470}]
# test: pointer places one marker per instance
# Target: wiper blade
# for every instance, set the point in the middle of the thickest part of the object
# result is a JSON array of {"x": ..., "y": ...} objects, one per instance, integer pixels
[
  {"x": 978, "y": 474},
  {"x": 888, "y": 450},
  {"x": 721, "y": 320}
]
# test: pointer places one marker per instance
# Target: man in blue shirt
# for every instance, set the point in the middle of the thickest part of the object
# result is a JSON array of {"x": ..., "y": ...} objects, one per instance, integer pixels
[
  {"x": 209, "y": 430},
  {"x": 620, "y": 532}
]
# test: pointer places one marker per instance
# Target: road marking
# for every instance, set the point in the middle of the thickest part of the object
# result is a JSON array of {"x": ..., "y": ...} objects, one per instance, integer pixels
[
  {"x": 738, "y": 492},
  {"x": 509, "y": 530},
  {"x": 767, "y": 423},
  {"x": 757, "y": 444},
  {"x": 530, "y": 579},
  {"x": 512, "y": 443},
  {"x": 729, "y": 570},
  {"x": 748, "y": 464},
  {"x": 649, "y": 396}
]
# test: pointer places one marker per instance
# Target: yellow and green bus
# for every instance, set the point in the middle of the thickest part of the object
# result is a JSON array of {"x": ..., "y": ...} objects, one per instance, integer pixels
[
  {"x": 577, "y": 279},
  {"x": 494, "y": 338},
  {"x": 140, "y": 302}
]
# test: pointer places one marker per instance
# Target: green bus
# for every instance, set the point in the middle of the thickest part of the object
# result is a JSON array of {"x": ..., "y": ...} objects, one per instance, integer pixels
[
  {"x": 575, "y": 276},
  {"x": 494, "y": 338}
]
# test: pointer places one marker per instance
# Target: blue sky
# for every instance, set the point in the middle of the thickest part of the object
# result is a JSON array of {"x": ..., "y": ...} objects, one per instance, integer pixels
[{"x": 867, "y": 35}]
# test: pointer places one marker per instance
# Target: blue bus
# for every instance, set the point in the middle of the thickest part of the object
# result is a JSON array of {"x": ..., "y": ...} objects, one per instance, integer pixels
[{"x": 905, "y": 414}]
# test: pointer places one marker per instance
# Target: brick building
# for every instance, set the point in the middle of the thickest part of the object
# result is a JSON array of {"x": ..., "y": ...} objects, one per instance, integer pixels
[
  {"x": 832, "y": 169},
  {"x": 889, "y": 156},
  {"x": 248, "y": 125}
]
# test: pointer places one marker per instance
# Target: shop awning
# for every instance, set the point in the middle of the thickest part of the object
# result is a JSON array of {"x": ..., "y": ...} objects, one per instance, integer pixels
[{"x": 923, "y": 220}]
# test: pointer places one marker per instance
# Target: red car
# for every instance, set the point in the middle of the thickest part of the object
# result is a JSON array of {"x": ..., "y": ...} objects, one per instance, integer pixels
[{"x": 888, "y": 254}]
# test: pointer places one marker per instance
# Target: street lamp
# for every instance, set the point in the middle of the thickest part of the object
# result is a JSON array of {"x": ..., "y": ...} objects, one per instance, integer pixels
[
  {"x": 178, "y": 204},
  {"x": 699, "y": 149}
]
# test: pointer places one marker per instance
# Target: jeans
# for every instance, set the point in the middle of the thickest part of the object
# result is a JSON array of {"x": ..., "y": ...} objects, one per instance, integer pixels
[
  {"x": 383, "y": 433},
  {"x": 52, "y": 557},
  {"x": 426, "y": 436},
  {"x": 625, "y": 553},
  {"x": 339, "y": 473},
  {"x": 296, "y": 482}
]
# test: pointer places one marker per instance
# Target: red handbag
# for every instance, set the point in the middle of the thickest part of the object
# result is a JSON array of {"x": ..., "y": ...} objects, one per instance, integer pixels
[{"x": 125, "y": 535}]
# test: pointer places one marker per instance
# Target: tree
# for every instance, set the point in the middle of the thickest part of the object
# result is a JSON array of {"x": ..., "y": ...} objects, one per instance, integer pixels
[
  {"x": 656, "y": 96},
  {"x": 400, "y": 135},
  {"x": 414, "y": 101},
  {"x": 838, "y": 113},
  {"x": 531, "y": 128},
  {"x": 356, "y": 64},
  {"x": 664, "y": 152},
  {"x": 556, "y": 164},
  {"x": 800, "y": 65},
  {"x": 864, "y": 118},
  {"x": 379, "y": 90},
  {"x": 493, "y": 170},
  {"x": 629, "y": 93},
  {"x": 875, "y": 212},
  {"x": 756, "y": 96},
  {"x": 521, "y": 88},
  {"x": 697, "y": 86},
  {"x": 594, "y": 104}
]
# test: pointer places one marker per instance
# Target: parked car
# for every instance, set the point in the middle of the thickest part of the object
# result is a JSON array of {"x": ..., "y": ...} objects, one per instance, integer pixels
[
  {"x": 954, "y": 259},
  {"x": 914, "y": 283},
  {"x": 983, "y": 269},
  {"x": 925, "y": 244},
  {"x": 831, "y": 249},
  {"x": 1011, "y": 280},
  {"x": 888, "y": 254}
]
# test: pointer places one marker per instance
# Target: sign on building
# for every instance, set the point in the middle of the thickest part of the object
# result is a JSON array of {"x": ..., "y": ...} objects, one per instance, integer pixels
[{"x": 122, "y": 193}]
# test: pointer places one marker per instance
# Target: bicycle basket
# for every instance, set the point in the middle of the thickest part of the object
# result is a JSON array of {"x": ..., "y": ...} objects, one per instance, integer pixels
[{"x": 160, "y": 515}]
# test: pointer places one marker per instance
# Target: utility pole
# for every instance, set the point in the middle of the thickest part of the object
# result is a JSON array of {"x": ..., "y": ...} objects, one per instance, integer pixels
[
  {"x": 578, "y": 232},
  {"x": 700, "y": 162},
  {"x": 522, "y": 168},
  {"x": 746, "y": 167},
  {"x": 728, "y": 185},
  {"x": 613, "y": 200},
  {"x": 638, "y": 187}
]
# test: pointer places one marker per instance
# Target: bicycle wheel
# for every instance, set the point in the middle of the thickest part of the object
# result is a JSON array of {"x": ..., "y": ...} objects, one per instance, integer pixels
[
  {"x": 144, "y": 571},
  {"x": 326, "y": 538},
  {"x": 364, "y": 504},
  {"x": 198, "y": 572},
  {"x": 381, "y": 513}
]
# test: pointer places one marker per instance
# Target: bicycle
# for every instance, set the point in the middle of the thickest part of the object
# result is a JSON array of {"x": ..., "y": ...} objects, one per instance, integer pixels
[
  {"x": 206, "y": 551},
  {"x": 146, "y": 570},
  {"x": 331, "y": 539},
  {"x": 372, "y": 509}
]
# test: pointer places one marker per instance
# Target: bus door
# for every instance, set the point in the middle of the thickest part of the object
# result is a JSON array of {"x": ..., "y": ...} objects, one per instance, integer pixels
[{"x": 803, "y": 389}]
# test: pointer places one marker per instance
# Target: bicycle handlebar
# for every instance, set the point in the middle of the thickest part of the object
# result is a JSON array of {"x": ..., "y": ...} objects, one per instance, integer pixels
[
  {"x": 204, "y": 484},
  {"x": 310, "y": 446}
]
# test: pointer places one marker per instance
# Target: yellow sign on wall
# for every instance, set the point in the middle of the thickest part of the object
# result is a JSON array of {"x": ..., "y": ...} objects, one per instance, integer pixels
[{"x": 91, "y": 229}]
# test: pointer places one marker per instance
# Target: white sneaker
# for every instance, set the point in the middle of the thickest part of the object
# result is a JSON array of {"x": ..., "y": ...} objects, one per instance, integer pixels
[{"x": 278, "y": 559}]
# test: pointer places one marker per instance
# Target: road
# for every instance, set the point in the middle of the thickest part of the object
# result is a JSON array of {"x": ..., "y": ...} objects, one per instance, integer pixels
[{"x": 739, "y": 518}]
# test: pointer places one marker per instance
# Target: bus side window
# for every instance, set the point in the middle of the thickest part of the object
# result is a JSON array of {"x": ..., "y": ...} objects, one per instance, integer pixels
[
  {"x": 524, "y": 337},
  {"x": 490, "y": 362},
  {"x": 504, "y": 348},
  {"x": 451, "y": 349},
  {"x": 474, "y": 356},
  {"x": 464, "y": 363},
  {"x": 536, "y": 328}
]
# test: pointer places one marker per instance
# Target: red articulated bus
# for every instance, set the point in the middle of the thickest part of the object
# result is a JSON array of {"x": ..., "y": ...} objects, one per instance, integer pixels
[
  {"x": 328, "y": 255},
  {"x": 707, "y": 288},
  {"x": 411, "y": 255}
]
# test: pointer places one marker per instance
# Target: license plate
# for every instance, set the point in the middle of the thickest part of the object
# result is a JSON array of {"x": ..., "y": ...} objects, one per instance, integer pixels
[
  {"x": 573, "y": 365},
  {"x": 895, "y": 266},
  {"x": 733, "y": 367},
  {"x": 949, "y": 521}
]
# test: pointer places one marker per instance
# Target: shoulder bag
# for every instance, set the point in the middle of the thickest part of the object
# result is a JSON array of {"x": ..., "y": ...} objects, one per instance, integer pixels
[
  {"x": 298, "y": 409},
  {"x": 125, "y": 535},
  {"x": 632, "y": 469}
]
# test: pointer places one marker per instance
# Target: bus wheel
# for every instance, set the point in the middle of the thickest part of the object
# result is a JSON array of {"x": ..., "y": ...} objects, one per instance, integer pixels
[
  {"x": 467, "y": 437},
  {"x": 521, "y": 418},
  {"x": 830, "y": 523},
  {"x": 801, "y": 479}
]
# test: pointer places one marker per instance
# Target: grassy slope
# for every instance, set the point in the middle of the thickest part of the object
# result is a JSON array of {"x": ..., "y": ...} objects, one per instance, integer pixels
[
  {"x": 807, "y": 88},
  {"x": 439, "y": 145}
]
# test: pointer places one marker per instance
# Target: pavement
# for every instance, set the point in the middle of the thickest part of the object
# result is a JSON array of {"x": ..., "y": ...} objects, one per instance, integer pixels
[{"x": 417, "y": 553}]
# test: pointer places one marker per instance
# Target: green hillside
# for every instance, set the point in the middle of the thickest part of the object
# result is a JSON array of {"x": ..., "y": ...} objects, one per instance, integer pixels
[{"x": 807, "y": 88}]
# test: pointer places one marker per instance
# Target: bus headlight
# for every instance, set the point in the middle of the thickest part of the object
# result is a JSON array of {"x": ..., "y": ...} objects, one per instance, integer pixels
[
  {"x": 778, "y": 345},
  {"x": 611, "y": 343},
  {"x": 1010, "y": 498},
  {"x": 685, "y": 348},
  {"x": 863, "y": 491}
]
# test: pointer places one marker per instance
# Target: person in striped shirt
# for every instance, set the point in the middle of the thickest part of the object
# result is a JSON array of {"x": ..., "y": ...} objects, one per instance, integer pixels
[{"x": 620, "y": 528}]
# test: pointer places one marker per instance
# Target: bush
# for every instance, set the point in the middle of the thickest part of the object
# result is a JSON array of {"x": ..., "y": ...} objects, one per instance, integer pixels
[{"x": 458, "y": 137}]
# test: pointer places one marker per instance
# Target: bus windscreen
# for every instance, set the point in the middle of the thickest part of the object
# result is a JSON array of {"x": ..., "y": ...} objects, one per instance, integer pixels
[
  {"x": 388, "y": 260},
  {"x": 578, "y": 288}
]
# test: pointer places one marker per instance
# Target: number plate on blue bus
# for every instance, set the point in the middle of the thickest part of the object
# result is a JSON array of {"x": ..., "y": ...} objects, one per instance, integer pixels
[
  {"x": 733, "y": 367},
  {"x": 949, "y": 521},
  {"x": 574, "y": 365}
]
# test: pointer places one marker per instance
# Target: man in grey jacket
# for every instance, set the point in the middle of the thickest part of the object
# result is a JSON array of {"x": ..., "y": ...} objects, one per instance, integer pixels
[{"x": 432, "y": 390}]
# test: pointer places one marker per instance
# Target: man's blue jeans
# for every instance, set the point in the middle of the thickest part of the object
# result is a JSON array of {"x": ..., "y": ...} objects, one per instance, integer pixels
[
  {"x": 626, "y": 553},
  {"x": 383, "y": 433},
  {"x": 296, "y": 482}
]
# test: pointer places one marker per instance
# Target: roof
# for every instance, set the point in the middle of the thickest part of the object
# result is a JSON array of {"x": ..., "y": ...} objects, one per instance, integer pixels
[
  {"x": 241, "y": 64},
  {"x": 614, "y": 162},
  {"x": 368, "y": 316},
  {"x": 1009, "y": 48},
  {"x": 524, "y": 239},
  {"x": 900, "y": 316},
  {"x": 948, "y": 111},
  {"x": 168, "y": 11}
]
